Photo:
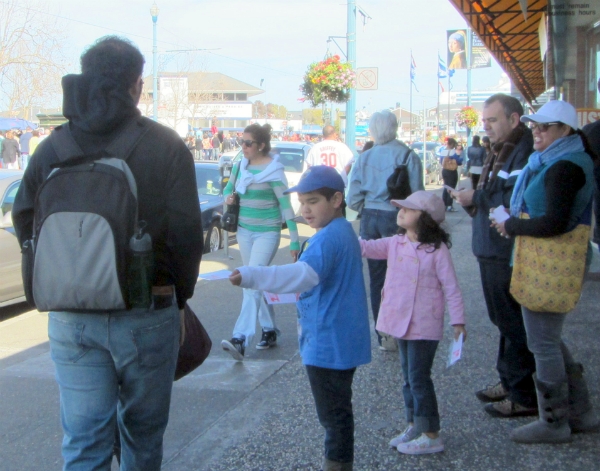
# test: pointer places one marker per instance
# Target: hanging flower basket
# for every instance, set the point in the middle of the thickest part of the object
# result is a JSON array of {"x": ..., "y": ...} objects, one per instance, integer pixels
[
  {"x": 467, "y": 117},
  {"x": 328, "y": 80}
]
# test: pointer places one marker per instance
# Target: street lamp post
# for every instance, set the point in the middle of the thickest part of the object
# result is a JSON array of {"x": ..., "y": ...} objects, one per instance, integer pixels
[{"x": 154, "y": 12}]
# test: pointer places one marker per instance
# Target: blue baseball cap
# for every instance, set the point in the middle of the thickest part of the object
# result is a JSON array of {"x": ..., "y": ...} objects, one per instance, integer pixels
[{"x": 319, "y": 176}]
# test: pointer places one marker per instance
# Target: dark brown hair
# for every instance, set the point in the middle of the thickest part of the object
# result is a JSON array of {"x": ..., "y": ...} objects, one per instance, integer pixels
[
  {"x": 429, "y": 233},
  {"x": 261, "y": 134}
]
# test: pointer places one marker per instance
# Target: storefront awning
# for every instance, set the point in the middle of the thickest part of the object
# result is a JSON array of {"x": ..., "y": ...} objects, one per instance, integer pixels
[{"x": 511, "y": 35}]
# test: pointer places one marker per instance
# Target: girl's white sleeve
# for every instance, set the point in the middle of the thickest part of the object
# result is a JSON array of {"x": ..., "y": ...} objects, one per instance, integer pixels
[{"x": 280, "y": 279}]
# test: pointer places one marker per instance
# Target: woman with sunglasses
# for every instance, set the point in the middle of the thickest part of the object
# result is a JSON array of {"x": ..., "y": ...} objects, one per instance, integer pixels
[
  {"x": 259, "y": 182},
  {"x": 553, "y": 196}
]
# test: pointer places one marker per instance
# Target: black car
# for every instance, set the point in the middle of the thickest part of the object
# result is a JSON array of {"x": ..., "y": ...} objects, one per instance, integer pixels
[{"x": 210, "y": 185}]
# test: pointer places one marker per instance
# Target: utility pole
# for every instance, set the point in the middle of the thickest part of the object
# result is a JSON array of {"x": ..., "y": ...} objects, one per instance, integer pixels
[
  {"x": 351, "y": 50},
  {"x": 154, "y": 13}
]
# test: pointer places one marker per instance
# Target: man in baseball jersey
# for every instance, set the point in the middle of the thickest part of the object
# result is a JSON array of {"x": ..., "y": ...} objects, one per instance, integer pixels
[{"x": 333, "y": 153}]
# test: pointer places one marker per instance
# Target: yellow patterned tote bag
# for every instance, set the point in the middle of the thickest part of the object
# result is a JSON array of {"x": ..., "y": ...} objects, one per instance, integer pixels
[{"x": 548, "y": 272}]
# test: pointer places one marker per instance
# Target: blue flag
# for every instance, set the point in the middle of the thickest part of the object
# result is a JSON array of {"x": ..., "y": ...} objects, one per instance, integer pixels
[
  {"x": 413, "y": 71},
  {"x": 443, "y": 71}
]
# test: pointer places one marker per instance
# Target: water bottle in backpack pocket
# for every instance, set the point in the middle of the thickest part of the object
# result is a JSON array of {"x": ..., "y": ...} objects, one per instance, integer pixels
[{"x": 140, "y": 269}]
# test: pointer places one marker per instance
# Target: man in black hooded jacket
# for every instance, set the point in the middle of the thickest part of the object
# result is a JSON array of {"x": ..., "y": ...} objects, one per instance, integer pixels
[{"x": 116, "y": 369}]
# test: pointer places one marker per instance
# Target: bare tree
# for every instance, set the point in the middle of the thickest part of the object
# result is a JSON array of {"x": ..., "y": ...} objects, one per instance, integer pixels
[{"x": 31, "y": 60}]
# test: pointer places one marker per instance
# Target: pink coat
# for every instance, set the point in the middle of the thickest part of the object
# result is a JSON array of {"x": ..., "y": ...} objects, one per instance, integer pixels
[{"x": 417, "y": 281}]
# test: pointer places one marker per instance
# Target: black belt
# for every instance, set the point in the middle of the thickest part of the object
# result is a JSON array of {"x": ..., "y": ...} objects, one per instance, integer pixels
[{"x": 162, "y": 296}]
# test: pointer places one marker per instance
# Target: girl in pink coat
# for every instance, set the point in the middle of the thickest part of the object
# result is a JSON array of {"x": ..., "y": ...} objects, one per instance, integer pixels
[{"x": 420, "y": 275}]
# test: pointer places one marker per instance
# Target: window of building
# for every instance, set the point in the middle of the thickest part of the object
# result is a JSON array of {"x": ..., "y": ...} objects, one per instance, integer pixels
[{"x": 241, "y": 97}]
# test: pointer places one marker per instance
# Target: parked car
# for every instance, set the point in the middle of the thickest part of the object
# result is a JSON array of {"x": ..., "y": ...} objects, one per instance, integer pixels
[
  {"x": 210, "y": 185},
  {"x": 430, "y": 146},
  {"x": 11, "y": 283},
  {"x": 293, "y": 157}
]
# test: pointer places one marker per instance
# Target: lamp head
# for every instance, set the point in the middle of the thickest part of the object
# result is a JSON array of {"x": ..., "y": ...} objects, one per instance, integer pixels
[{"x": 154, "y": 12}]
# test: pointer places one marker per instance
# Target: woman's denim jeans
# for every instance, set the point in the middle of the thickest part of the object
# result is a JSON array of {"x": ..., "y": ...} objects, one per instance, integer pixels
[
  {"x": 420, "y": 402},
  {"x": 257, "y": 249},
  {"x": 332, "y": 392},
  {"x": 114, "y": 368},
  {"x": 375, "y": 224}
]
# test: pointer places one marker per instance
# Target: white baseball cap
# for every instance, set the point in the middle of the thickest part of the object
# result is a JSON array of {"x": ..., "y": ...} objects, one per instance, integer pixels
[{"x": 555, "y": 111}]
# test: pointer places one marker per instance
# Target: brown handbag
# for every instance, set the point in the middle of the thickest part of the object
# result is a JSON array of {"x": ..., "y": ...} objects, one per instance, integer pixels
[
  {"x": 196, "y": 345},
  {"x": 449, "y": 164}
]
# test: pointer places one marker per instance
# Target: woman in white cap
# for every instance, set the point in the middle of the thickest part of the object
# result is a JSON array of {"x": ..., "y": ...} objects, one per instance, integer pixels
[{"x": 551, "y": 205}]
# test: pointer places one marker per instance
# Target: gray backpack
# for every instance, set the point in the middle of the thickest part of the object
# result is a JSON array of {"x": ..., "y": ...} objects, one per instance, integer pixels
[{"x": 85, "y": 214}]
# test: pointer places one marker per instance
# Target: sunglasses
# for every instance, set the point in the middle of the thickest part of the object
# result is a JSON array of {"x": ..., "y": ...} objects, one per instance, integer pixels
[
  {"x": 248, "y": 143},
  {"x": 542, "y": 127}
]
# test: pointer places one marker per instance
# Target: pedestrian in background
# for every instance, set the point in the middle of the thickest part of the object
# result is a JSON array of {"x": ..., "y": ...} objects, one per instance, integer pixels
[
  {"x": 260, "y": 183},
  {"x": 10, "y": 151},
  {"x": 206, "y": 146},
  {"x": 476, "y": 157},
  {"x": 368, "y": 194},
  {"x": 553, "y": 196},
  {"x": 514, "y": 395},
  {"x": 333, "y": 321},
  {"x": 34, "y": 141},
  {"x": 420, "y": 275},
  {"x": 450, "y": 161}
]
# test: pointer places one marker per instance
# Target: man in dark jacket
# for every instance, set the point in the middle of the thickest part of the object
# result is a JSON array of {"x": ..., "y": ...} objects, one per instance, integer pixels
[
  {"x": 116, "y": 369},
  {"x": 10, "y": 151},
  {"x": 512, "y": 143}
]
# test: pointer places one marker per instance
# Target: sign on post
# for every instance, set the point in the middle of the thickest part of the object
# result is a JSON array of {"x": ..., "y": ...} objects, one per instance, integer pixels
[{"x": 366, "y": 78}]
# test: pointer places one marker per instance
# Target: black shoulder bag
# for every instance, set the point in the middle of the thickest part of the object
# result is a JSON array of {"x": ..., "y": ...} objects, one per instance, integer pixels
[
  {"x": 398, "y": 183},
  {"x": 229, "y": 220}
]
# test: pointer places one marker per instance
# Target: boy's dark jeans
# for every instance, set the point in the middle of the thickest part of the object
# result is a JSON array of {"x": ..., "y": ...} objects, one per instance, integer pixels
[{"x": 332, "y": 391}]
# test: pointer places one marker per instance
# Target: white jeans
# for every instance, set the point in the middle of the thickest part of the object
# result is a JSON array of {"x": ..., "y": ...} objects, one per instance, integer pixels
[{"x": 257, "y": 249}]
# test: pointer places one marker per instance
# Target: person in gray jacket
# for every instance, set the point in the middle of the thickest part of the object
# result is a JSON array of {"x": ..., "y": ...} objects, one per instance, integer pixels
[{"x": 368, "y": 194}]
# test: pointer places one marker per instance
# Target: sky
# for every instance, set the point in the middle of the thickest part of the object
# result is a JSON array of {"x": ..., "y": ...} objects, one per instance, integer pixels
[{"x": 274, "y": 41}]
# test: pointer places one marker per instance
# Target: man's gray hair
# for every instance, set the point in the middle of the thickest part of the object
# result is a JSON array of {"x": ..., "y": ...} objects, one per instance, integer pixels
[{"x": 383, "y": 126}]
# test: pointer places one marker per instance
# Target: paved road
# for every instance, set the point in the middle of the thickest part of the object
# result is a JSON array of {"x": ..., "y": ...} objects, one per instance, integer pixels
[{"x": 259, "y": 414}]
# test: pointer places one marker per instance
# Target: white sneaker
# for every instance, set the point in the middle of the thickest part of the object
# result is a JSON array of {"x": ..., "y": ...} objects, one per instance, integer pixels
[
  {"x": 409, "y": 434},
  {"x": 421, "y": 446}
]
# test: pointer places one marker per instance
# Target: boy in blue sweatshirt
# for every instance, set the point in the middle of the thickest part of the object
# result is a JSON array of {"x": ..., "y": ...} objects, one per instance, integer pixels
[{"x": 333, "y": 319}]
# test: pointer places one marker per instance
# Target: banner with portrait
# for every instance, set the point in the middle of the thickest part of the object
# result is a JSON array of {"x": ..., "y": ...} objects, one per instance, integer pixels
[{"x": 457, "y": 48}]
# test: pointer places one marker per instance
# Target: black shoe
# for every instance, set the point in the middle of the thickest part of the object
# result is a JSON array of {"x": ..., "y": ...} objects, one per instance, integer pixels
[
  {"x": 235, "y": 347},
  {"x": 268, "y": 340}
]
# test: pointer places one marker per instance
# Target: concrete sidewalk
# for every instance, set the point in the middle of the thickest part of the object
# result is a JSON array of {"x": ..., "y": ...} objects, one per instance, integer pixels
[{"x": 259, "y": 414}]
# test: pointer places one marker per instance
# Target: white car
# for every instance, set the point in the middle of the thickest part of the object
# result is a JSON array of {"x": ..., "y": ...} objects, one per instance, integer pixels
[{"x": 292, "y": 156}]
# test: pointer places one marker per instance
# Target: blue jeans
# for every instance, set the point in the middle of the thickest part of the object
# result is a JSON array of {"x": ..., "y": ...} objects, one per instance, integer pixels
[
  {"x": 416, "y": 357},
  {"x": 376, "y": 224},
  {"x": 332, "y": 392},
  {"x": 114, "y": 369},
  {"x": 257, "y": 250}
]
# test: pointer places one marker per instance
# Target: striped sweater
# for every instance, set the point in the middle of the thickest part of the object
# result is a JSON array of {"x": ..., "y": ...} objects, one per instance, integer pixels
[{"x": 263, "y": 205}]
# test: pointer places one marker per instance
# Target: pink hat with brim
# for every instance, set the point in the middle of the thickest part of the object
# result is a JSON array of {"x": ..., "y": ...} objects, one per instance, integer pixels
[{"x": 424, "y": 201}]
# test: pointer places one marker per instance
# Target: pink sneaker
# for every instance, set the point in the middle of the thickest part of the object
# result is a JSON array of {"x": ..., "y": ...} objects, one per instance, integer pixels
[{"x": 421, "y": 445}]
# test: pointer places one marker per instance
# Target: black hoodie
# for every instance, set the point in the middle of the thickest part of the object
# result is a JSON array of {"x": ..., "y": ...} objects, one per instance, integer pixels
[{"x": 98, "y": 108}]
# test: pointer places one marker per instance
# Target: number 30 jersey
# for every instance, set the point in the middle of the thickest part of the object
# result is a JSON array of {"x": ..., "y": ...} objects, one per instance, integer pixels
[{"x": 333, "y": 154}]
